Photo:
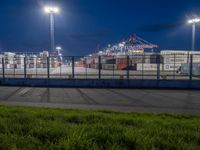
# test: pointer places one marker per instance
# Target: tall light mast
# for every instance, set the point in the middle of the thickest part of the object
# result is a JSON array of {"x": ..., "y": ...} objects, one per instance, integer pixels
[
  {"x": 52, "y": 10},
  {"x": 193, "y": 22}
]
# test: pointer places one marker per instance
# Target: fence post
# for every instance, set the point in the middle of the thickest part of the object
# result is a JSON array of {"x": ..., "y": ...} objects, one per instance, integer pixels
[
  {"x": 36, "y": 68},
  {"x": 48, "y": 67},
  {"x": 99, "y": 66},
  {"x": 73, "y": 67},
  {"x": 25, "y": 73},
  {"x": 3, "y": 68},
  {"x": 85, "y": 63},
  {"x": 113, "y": 67},
  {"x": 143, "y": 61},
  {"x": 14, "y": 66},
  {"x": 128, "y": 68},
  {"x": 191, "y": 66},
  {"x": 174, "y": 74},
  {"x": 158, "y": 66},
  {"x": 60, "y": 69}
]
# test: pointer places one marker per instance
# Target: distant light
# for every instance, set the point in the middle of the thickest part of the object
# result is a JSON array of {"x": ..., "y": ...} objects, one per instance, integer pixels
[
  {"x": 122, "y": 44},
  {"x": 58, "y": 48},
  {"x": 51, "y": 9},
  {"x": 195, "y": 20}
]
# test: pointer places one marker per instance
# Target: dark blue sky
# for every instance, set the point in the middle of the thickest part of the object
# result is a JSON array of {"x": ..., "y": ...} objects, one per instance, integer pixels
[{"x": 82, "y": 25}]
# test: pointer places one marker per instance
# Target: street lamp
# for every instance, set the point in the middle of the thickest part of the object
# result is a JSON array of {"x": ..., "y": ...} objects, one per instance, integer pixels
[
  {"x": 59, "y": 49},
  {"x": 122, "y": 45},
  {"x": 51, "y": 10},
  {"x": 193, "y": 22}
]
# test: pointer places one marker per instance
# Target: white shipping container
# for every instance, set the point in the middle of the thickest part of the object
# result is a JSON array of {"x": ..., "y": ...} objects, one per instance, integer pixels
[
  {"x": 180, "y": 56},
  {"x": 1, "y": 56},
  {"x": 96, "y": 60},
  {"x": 32, "y": 65},
  {"x": 89, "y": 61},
  {"x": 148, "y": 67},
  {"x": 20, "y": 66},
  {"x": 7, "y": 66},
  {"x": 109, "y": 66},
  {"x": 194, "y": 52},
  {"x": 171, "y": 67},
  {"x": 177, "y": 59},
  {"x": 196, "y": 58},
  {"x": 12, "y": 66},
  {"x": 172, "y": 52}
]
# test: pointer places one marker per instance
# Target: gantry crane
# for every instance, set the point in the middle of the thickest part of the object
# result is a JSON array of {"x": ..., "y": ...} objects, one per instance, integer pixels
[{"x": 132, "y": 43}]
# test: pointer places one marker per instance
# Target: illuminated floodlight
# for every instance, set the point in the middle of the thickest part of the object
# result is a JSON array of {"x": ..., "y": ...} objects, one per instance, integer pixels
[
  {"x": 51, "y": 10},
  {"x": 122, "y": 44},
  {"x": 195, "y": 20},
  {"x": 58, "y": 48}
]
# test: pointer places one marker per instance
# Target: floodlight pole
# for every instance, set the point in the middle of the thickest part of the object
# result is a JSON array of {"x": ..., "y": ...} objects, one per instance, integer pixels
[
  {"x": 193, "y": 22},
  {"x": 52, "y": 32},
  {"x": 193, "y": 35},
  {"x": 51, "y": 10}
]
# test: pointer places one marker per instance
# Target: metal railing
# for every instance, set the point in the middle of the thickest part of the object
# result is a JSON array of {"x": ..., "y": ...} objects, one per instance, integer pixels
[{"x": 154, "y": 66}]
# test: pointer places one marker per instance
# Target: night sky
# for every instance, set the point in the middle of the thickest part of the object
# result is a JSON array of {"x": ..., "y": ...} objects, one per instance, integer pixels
[{"x": 84, "y": 25}]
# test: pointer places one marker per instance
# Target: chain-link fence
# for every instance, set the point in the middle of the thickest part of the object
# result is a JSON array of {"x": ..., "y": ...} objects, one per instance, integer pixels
[{"x": 141, "y": 67}]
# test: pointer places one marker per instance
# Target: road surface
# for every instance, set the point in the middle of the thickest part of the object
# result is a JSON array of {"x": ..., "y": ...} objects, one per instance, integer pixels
[{"x": 125, "y": 100}]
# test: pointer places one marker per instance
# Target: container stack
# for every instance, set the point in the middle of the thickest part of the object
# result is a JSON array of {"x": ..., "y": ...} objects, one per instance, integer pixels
[
  {"x": 19, "y": 61},
  {"x": 1, "y": 56},
  {"x": 9, "y": 60},
  {"x": 32, "y": 61}
]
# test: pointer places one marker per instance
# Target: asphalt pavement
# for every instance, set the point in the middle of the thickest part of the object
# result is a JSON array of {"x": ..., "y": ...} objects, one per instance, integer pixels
[{"x": 124, "y": 100}]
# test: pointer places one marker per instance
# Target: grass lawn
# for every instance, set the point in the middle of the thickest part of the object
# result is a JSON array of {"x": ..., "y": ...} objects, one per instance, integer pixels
[{"x": 41, "y": 128}]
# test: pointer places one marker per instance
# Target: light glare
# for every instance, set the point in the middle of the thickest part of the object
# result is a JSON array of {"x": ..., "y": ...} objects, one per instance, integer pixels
[
  {"x": 195, "y": 20},
  {"x": 49, "y": 9},
  {"x": 58, "y": 48}
]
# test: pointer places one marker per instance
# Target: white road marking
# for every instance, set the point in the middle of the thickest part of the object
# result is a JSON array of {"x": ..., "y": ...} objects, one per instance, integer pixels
[{"x": 24, "y": 91}]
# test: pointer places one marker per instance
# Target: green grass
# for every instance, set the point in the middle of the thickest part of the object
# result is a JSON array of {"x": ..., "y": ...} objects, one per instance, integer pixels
[{"x": 39, "y": 128}]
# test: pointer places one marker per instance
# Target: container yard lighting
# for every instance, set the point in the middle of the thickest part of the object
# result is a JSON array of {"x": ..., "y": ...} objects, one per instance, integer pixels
[
  {"x": 51, "y": 10},
  {"x": 121, "y": 45},
  {"x": 196, "y": 20},
  {"x": 58, "y": 48},
  {"x": 193, "y": 22}
]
